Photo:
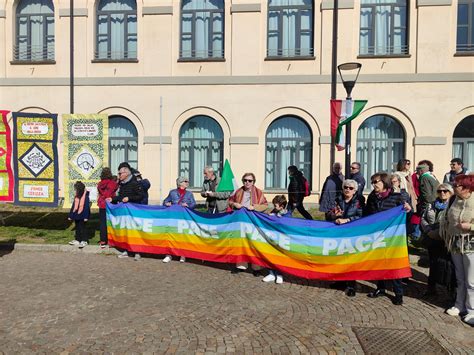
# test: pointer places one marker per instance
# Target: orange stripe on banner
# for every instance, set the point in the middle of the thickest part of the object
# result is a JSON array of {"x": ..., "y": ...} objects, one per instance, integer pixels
[{"x": 286, "y": 260}]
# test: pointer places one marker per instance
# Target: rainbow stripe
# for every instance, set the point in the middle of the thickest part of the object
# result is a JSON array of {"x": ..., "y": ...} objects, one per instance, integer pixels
[{"x": 372, "y": 248}]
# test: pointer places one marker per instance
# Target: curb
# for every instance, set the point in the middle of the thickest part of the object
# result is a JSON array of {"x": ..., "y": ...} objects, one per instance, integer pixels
[{"x": 90, "y": 249}]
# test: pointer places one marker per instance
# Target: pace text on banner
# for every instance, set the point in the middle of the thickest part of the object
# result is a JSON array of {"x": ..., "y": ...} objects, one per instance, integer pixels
[{"x": 372, "y": 248}]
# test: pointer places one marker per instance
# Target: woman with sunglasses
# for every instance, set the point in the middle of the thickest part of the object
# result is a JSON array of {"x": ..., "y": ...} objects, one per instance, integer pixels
[
  {"x": 430, "y": 227},
  {"x": 457, "y": 230},
  {"x": 182, "y": 197},
  {"x": 383, "y": 198},
  {"x": 349, "y": 207},
  {"x": 251, "y": 198}
]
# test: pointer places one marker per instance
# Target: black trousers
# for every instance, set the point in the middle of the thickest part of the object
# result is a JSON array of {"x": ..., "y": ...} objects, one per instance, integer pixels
[
  {"x": 436, "y": 250},
  {"x": 397, "y": 286},
  {"x": 80, "y": 234},
  {"x": 103, "y": 225},
  {"x": 299, "y": 206}
]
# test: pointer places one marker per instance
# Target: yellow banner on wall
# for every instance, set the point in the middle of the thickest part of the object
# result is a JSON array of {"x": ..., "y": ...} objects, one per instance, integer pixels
[{"x": 85, "y": 152}]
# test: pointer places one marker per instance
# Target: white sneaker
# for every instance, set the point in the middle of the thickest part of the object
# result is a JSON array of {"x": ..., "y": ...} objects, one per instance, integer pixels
[
  {"x": 241, "y": 267},
  {"x": 469, "y": 319},
  {"x": 74, "y": 242},
  {"x": 137, "y": 257},
  {"x": 269, "y": 278},
  {"x": 167, "y": 259},
  {"x": 82, "y": 244},
  {"x": 453, "y": 311},
  {"x": 182, "y": 259},
  {"x": 279, "y": 279},
  {"x": 123, "y": 255}
]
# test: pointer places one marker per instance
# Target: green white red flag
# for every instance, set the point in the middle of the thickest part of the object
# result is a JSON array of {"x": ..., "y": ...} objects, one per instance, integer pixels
[
  {"x": 342, "y": 112},
  {"x": 228, "y": 181}
]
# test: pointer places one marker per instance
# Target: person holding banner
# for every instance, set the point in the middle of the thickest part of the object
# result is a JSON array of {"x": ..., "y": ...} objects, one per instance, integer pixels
[
  {"x": 216, "y": 202},
  {"x": 251, "y": 198},
  {"x": 179, "y": 196},
  {"x": 457, "y": 230},
  {"x": 349, "y": 207},
  {"x": 130, "y": 190},
  {"x": 383, "y": 198}
]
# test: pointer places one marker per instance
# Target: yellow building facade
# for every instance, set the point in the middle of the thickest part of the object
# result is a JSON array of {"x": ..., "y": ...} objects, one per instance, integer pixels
[{"x": 192, "y": 83}]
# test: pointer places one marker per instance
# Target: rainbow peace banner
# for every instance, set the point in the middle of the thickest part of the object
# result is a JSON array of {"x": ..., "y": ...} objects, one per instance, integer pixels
[
  {"x": 35, "y": 151},
  {"x": 86, "y": 152},
  {"x": 372, "y": 248},
  {"x": 6, "y": 172}
]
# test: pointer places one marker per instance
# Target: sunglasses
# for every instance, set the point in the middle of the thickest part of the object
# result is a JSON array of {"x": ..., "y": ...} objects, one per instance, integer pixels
[
  {"x": 458, "y": 186},
  {"x": 354, "y": 167},
  {"x": 375, "y": 181},
  {"x": 247, "y": 180},
  {"x": 185, "y": 181},
  {"x": 440, "y": 191},
  {"x": 348, "y": 188}
]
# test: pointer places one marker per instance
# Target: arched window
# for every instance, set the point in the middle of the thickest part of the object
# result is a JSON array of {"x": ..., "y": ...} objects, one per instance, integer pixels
[
  {"x": 123, "y": 142},
  {"x": 34, "y": 30},
  {"x": 288, "y": 142},
  {"x": 290, "y": 28},
  {"x": 202, "y": 29},
  {"x": 463, "y": 142},
  {"x": 200, "y": 143},
  {"x": 380, "y": 145},
  {"x": 116, "y": 31}
]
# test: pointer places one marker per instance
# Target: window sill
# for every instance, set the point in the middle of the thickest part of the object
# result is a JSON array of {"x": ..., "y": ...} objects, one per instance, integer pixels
[
  {"x": 114, "y": 61},
  {"x": 32, "y": 62},
  {"x": 270, "y": 59},
  {"x": 375, "y": 56},
  {"x": 184, "y": 60},
  {"x": 464, "y": 54}
]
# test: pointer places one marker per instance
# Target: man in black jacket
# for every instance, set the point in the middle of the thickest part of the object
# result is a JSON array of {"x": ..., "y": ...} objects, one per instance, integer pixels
[
  {"x": 130, "y": 190},
  {"x": 357, "y": 176},
  {"x": 296, "y": 192}
]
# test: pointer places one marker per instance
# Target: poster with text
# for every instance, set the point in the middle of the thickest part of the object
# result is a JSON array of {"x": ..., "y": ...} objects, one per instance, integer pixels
[
  {"x": 85, "y": 152},
  {"x": 35, "y": 138}
]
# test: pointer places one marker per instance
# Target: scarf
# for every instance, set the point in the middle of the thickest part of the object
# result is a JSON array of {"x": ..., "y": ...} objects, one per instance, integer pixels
[
  {"x": 79, "y": 203},
  {"x": 256, "y": 196},
  {"x": 384, "y": 194}
]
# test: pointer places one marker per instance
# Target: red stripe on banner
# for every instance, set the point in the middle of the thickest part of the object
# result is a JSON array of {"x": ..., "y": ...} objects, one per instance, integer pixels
[
  {"x": 8, "y": 139},
  {"x": 232, "y": 259}
]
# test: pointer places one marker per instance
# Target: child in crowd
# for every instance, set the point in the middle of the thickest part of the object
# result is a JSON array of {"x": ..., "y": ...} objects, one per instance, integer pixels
[
  {"x": 80, "y": 213},
  {"x": 279, "y": 210},
  {"x": 107, "y": 187}
]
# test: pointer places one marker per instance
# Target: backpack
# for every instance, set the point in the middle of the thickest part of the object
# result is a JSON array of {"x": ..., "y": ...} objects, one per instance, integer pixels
[{"x": 307, "y": 189}]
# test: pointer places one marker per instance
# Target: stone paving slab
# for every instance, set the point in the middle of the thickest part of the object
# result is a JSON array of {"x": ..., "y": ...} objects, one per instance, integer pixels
[{"x": 55, "y": 302}]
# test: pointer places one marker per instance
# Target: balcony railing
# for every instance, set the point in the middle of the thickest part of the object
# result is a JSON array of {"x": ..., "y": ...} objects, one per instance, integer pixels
[
  {"x": 290, "y": 52},
  {"x": 202, "y": 54},
  {"x": 34, "y": 53},
  {"x": 384, "y": 50},
  {"x": 115, "y": 55}
]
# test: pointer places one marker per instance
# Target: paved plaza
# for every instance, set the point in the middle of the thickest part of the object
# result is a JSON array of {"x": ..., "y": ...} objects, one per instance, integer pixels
[{"x": 59, "y": 302}]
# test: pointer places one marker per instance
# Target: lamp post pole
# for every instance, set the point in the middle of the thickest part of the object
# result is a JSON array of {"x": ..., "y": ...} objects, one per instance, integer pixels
[
  {"x": 71, "y": 56},
  {"x": 334, "y": 72}
]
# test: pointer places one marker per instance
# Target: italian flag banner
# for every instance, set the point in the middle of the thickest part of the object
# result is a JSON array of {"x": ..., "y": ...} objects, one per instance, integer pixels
[
  {"x": 228, "y": 181},
  {"x": 342, "y": 112}
]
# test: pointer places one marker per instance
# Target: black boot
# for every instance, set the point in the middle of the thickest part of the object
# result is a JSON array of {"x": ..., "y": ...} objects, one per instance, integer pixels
[
  {"x": 377, "y": 293},
  {"x": 350, "y": 292},
  {"x": 398, "y": 300}
]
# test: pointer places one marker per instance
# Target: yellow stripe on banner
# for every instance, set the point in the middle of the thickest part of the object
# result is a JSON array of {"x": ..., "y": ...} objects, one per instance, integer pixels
[{"x": 384, "y": 258}]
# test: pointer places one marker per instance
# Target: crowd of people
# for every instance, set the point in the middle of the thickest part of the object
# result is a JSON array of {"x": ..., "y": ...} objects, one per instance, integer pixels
[{"x": 440, "y": 216}]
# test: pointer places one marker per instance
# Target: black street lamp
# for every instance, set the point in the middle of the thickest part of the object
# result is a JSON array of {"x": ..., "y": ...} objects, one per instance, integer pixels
[{"x": 349, "y": 73}]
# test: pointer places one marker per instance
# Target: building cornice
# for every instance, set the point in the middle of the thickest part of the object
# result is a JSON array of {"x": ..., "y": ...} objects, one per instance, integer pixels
[{"x": 236, "y": 80}]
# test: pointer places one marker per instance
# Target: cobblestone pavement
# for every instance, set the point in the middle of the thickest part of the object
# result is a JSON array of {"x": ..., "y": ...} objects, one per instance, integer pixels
[{"x": 53, "y": 302}]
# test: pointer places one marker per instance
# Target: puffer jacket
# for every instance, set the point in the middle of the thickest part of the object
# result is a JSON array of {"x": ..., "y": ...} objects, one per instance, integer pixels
[
  {"x": 375, "y": 204},
  {"x": 352, "y": 210},
  {"x": 174, "y": 197},
  {"x": 131, "y": 189}
]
